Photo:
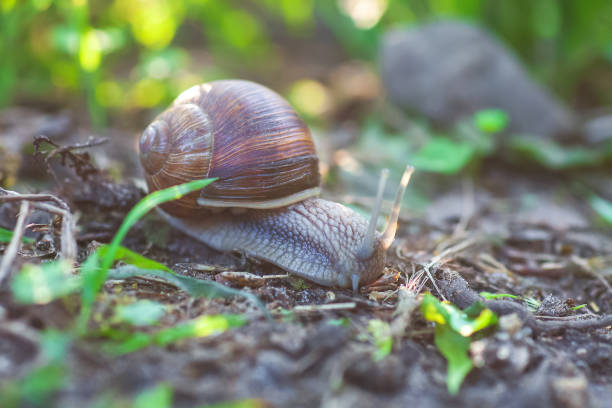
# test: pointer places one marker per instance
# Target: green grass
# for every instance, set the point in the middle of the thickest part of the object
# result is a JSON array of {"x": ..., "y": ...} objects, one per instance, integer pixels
[
  {"x": 6, "y": 235},
  {"x": 43, "y": 283},
  {"x": 95, "y": 269}
]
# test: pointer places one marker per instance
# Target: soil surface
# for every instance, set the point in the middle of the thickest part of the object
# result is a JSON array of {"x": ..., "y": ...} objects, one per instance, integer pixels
[{"x": 509, "y": 230}]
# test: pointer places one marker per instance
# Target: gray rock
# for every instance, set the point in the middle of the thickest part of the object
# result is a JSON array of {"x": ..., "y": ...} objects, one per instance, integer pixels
[
  {"x": 447, "y": 70},
  {"x": 599, "y": 129}
]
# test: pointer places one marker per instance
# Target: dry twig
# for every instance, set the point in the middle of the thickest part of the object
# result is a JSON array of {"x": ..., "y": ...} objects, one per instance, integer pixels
[
  {"x": 80, "y": 162},
  {"x": 324, "y": 308},
  {"x": 11, "y": 251},
  {"x": 67, "y": 237}
]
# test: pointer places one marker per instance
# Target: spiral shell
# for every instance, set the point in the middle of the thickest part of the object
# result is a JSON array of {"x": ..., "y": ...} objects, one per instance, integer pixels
[{"x": 244, "y": 134}]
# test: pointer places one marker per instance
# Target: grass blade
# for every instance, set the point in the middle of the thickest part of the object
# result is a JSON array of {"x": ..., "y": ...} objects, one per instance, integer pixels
[
  {"x": 195, "y": 287},
  {"x": 95, "y": 268},
  {"x": 6, "y": 235}
]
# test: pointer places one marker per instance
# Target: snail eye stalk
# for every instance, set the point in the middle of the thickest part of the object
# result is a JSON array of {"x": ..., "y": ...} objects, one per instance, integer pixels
[
  {"x": 389, "y": 234},
  {"x": 367, "y": 247}
]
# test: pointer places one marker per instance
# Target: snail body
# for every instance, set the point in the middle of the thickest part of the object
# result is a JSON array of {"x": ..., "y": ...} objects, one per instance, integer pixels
[
  {"x": 264, "y": 158},
  {"x": 301, "y": 238}
]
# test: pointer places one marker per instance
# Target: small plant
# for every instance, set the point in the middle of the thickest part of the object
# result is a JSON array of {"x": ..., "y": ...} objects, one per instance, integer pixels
[
  {"x": 48, "y": 281},
  {"x": 381, "y": 338},
  {"x": 43, "y": 283},
  {"x": 454, "y": 329}
]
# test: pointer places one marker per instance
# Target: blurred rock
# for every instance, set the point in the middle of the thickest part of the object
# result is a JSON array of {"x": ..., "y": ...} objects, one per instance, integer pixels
[
  {"x": 599, "y": 129},
  {"x": 571, "y": 392},
  {"x": 387, "y": 375},
  {"x": 449, "y": 70}
]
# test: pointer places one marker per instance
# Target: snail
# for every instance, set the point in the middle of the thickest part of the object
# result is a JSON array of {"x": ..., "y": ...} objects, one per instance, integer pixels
[{"x": 263, "y": 156}]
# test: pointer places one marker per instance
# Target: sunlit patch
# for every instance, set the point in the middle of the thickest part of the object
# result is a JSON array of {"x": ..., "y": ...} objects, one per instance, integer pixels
[
  {"x": 311, "y": 97},
  {"x": 64, "y": 75},
  {"x": 364, "y": 13},
  {"x": 466, "y": 331},
  {"x": 109, "y": 93},
  {"x": 148, "y": 92},
  {"x": 90, "y": 51},
  {"x": 191, "y": 94},
  {"x": 159, "y": 68},
  {"x": 7, "y": 5},
  {"x": 346, "y": 161},
  {"x": 40, "y": 284},
  {"x": 206, "y": 88},
  {"x": 207, "y": 325},
  {"x": 153, "y": 22}
]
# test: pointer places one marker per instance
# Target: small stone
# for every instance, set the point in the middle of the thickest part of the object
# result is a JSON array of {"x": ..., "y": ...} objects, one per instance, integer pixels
[
  {"x": 581, "y": 352},
  {"x": 384, "y": 376},
  {"x": 477, "y": 350},
  {"x": 510, "y": 323},
  {"x": 503, "y": 353},
  {"x": 570, "y": 392},
  {"x": 520, "y": 359}
]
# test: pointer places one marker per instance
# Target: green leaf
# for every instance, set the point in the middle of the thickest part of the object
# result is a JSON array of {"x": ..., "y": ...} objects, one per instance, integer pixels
[
  {"x": 554, "y": 156},
  {"x": 452, "y": 334},
  {"x": 133, "y": 258},
  {"x": 6, "y": 235},
  {"x": 195, "y": 287},
  {"x": 54, "y": 345},
  {"x": 92, "y": 282},
  {"x": 381, "y": 333},
  {"x": 343, "y": 321},
  {"x": 44, "y": 283},
  {"x": 202, "y": 326},
  {"x": 454, "y": 347},
  {"x": 443, "y": 155},
  {"x": 140, "y": 313},
  {"x": 41, "y": 382},
  {"x": 159, "y": 396},
  {"x": 491, "y": 120},
  {"x": 489, "y": 295},
  {"x": 531, "y": 303},
  {"x": 602, "y": 207}
]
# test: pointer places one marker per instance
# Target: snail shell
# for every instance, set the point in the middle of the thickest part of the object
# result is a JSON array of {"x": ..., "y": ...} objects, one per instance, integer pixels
[{"x": 241, "y": 132}]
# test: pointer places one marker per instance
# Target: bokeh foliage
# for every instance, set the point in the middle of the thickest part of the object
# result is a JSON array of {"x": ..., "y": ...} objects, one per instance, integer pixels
[{"x": 138, "y": 54}]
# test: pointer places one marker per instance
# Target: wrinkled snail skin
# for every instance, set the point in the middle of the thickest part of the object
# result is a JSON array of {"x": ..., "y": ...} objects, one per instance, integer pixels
[
  {"x": 263, "y": 156},
  {"x": 315, "y": 239}
]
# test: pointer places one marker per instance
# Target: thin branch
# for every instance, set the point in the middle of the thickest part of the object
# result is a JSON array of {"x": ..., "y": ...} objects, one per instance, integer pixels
[
  {"x": 11, "y": 196},
  {"x": 324, "y": 308},
  {"x": 67, "y": 237},
  {"x": 582, "y": 324},
  {"x": 11, "y": 251}
]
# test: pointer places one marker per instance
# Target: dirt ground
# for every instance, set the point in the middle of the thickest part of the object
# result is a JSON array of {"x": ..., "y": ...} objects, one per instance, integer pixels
[{"x": 510, "y": 230}]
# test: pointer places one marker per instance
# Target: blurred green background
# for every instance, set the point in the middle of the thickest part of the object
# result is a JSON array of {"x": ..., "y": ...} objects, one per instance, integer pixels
[{"x": 123, "y": 57}]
